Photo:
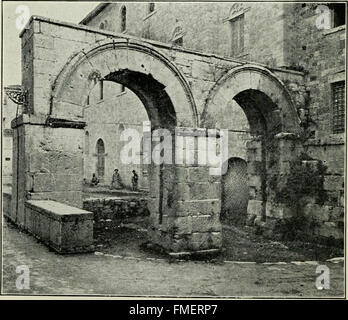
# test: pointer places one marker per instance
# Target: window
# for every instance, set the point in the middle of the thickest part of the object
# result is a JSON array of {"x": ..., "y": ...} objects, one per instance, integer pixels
[
  {"x": 7, "y": 159},
  {"x": 178, "y": 34},
  {"x": 338, "y": 102},
  {"x": 120, "y": 128},
  {"x": 87, "y": 142},
  {"x": 5, "y": 100},
  {"x": 102, "y": 26},
  {"x": 87, "y": 100},
  {"x": 151, "y": 7},
  {"x": 123, "y": 19},
  {"x": 338, "y": 14},
  {"x": 237, "y": 35},
  {"x": 101, "y": 92},
  {"x": 101, "y": 159}
]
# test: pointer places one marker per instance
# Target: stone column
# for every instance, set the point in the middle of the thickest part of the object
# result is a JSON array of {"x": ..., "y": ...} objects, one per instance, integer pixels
[
  {"x": 287, "y": 148},
  {"x": 185, "y": 202},
  {"x": 256, "y": 176},
  {"x": 48, "y": 162}
]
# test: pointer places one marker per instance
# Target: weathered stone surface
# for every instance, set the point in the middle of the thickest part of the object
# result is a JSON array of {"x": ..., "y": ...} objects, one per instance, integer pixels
[
  {"x": 255, "y": 207},
  {"x": 64, "y": 228},
  {"x": 194, "y": 207},
  {"x": 333, "y": 183},
  {"x": 279, "y": 211},
  {"x": 49, "y": 163}
]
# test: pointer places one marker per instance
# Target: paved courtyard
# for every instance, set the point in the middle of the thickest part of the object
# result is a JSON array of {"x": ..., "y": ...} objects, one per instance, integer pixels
[{"x": 102, "y": 273}]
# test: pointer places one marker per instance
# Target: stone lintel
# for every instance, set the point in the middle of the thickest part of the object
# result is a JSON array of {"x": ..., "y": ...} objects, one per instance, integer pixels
[{"x": 44, "y": 120}]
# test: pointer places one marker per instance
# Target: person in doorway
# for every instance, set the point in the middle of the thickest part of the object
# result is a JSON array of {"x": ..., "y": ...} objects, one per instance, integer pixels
[
  {"x": 94, "y": 181},
  {"x": 116, "y": 182},
  {"x": 135, "y": 179}
]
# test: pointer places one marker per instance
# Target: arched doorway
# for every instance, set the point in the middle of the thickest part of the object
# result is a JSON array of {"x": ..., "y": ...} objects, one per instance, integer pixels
[
  {"x": 100, "y": 159},
  {"x": 235, "y": 192}
]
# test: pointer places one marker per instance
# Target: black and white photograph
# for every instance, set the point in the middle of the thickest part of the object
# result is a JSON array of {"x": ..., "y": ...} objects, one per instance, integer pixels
[{"x": 167, "y": 150}]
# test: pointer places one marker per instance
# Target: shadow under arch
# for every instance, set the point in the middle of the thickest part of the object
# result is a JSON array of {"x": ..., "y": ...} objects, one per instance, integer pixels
[{"x": 261, "y": 94}]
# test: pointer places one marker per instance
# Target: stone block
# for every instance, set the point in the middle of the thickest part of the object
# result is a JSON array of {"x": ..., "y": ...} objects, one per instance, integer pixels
[
  {"x": 198, "y": 174},
  {"x": 330, "y": 229},
  {"x": 333, "y": 183},
  {"x": 204, "y": 241},
  {"x": 66, "y": 229},
  {"x": 317, "y": 212},
  {"x": 255, "y": 207},
  {"x": 179, "y": 245},
  {"x": 254, "y": 181},
  {"x": 278, "y": 211},
  {"x": 206, "y": 223},
  {"x": 195, "y": 207},
  {"x": 182, "y": 225},
  {"x": 337, "y": 214},
  {"x": 200, "y": 191},
  {"x": 202, "y": 70}
]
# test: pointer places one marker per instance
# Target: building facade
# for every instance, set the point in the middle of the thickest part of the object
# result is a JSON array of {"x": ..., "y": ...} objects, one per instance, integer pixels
[
  {"x": 304, "y": 37},
  {"x": 272, "y": 74},
  {"x": 9, "y": 112}
]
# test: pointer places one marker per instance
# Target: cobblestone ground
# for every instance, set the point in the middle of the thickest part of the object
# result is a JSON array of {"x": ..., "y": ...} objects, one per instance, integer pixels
[{"x": 89, "y": 274}]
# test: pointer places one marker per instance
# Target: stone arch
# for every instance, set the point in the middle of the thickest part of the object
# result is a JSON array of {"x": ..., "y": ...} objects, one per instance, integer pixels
[
  {"x": 158, "y": 83},
  {"x": 250, "y": 81},
  {"x": 274, "y": 125}
]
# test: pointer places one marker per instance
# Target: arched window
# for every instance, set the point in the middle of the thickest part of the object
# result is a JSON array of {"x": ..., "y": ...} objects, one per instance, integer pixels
[
  {"x": 102, "y": 26},
  {"x": 100, "y": 159},
  {"x": 151, "y": 7},
  {"x": 100, "y": 146},
  {"x": 123, "y": 19},
  {"x": 120, "y": 128},
  {"x": 101, "y": 90},
  {"x": 87, "y": 142}
]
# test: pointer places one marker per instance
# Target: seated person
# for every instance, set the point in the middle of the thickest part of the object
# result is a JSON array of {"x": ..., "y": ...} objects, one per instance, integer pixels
[
  {"x": 94, "y": 180},
  {"x": 116, "y": 182}
]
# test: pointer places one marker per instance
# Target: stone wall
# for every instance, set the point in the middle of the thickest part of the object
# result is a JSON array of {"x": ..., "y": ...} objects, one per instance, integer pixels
[
  {"x": 116, "y": 112},
  {"x": 205, "y": 26},
  {"x": 9, "y": 110},
  {"x": 64, "y": 228},
  {"x": 6, "y": 204},
  {"x": 47, "y": 168},
  {"x": 184, "y": 215},
  {"x": 320, "y": 54},
  {"x": 115, "y": 209}
]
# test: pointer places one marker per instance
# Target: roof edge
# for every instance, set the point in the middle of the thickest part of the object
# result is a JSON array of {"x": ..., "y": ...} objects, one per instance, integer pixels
[{"x": 100, "y": 7}]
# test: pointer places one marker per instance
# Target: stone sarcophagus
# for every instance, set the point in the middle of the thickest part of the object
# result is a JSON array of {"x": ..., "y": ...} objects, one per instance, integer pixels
[{"x": 64, "y": 228}]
